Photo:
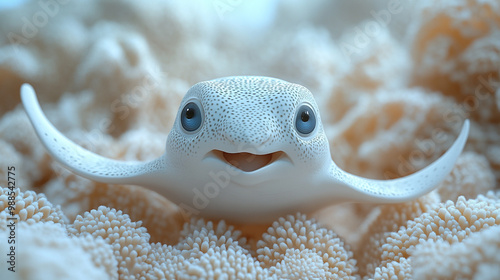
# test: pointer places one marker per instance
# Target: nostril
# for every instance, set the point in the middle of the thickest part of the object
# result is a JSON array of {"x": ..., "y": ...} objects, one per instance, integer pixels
[
  {"x": 267, "y": 138},
  {"x": 229, "y": 138}
]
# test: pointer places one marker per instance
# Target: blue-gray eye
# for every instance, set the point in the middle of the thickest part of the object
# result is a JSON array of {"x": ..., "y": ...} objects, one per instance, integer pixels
[
  {"x": 305, "y": 121},
  {"x": 191, "y": 117}
]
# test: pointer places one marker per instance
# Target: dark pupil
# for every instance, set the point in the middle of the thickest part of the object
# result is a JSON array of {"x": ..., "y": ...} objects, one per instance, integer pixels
[
  {"x": 304, "y": 116},
  {"x": 189, "y": 113}
]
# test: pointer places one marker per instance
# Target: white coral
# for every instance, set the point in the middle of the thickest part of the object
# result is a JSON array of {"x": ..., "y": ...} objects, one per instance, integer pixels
[
  {"x": 388, "y": 219},
  {"x": 45, "y": 248},
  {"x": 29, "y": 207},
  {"x": 471, "y": 176},
  {"x": 448, "y": 223},
  {"x": 293, "y": 239},
  {"x": 476, "y": 257}
]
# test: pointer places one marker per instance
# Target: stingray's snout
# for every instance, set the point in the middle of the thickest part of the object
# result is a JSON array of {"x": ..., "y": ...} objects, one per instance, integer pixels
[{"x": 244, "y": 132}]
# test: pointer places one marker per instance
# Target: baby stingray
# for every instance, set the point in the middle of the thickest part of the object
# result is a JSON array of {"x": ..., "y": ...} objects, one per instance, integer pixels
[{"x": 246, "y": 149}]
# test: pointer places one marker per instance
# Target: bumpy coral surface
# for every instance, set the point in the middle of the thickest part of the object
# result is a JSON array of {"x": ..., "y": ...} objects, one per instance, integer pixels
[{"x": 394, "y": 81}]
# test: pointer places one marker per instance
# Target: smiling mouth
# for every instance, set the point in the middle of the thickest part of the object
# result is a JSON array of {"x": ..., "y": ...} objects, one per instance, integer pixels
[{"x": 248, "y": 162}]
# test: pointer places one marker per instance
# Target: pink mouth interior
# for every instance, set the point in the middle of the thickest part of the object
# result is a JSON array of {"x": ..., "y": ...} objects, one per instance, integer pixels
[{"x": 246, "y": 161}]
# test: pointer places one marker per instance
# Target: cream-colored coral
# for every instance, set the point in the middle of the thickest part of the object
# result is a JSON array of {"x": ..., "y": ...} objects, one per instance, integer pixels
[
  {"x": 384, "y": 125},
  {"x": 471, "y": 176},
  {"x": 43, "y": 244},
  {"x": 16, "y": 145},
  {"x": 293, "y": 239},
  {"x": 454, "y": 44},
  {"x": 388, "y": 219},
  {"x": 393, "y": 270},
  {"x": 210, "y": 251},
  {"x": 120, "y": 248},
  {"x": 456, "y": 51},
  {"x": 449, "y": 223},
  {"x": 476, "y": 257},
  {"x": 292, "y": 248},
  {"x": 45, "y": 248},
  {"x": 130, "y": 241},
  {"x": 452, "y": 222},
  {"x": 29, "y": 207}
]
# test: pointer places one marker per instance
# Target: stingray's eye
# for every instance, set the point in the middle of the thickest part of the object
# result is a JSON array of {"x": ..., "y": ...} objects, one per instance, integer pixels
[
  {"x": 305, "y": 120},
  {"x": 191, "y": 117}
]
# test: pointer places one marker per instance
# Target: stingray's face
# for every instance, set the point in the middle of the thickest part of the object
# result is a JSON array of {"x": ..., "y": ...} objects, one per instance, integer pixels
[
  {"x": 246, "y": 149},
  {"x": 257, "y": 129}
]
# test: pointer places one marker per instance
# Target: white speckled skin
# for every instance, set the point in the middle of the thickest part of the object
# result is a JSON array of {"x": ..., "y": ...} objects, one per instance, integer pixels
[{"x": 248, "y": 114}]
